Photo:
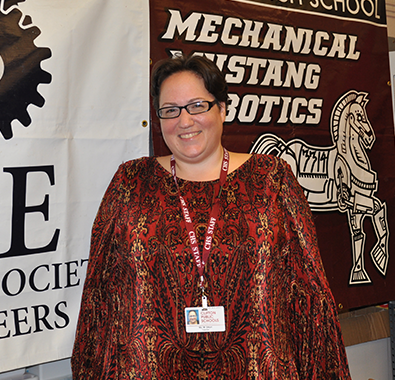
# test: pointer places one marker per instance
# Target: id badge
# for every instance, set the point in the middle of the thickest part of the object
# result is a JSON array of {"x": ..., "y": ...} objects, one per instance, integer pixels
[{"x": 204, "y": 319}]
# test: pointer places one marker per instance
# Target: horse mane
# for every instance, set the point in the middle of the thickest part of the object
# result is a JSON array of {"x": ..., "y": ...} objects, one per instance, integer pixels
[{"x": 337, "y": 112}]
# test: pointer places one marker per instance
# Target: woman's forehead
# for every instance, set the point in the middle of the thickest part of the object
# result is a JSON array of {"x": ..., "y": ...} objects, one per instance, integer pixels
[{"x": 182, "y": 86}]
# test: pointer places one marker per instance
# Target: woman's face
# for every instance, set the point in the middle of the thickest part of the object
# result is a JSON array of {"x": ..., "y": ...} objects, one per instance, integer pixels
[
  {"x": 191, "y": 138},
  {"x": 192, "y": 317}
]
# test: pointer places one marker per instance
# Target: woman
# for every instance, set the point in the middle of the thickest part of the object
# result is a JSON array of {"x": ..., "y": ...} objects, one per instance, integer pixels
[
  {"x": 193, "y": 318},
  {"x": 207, "y": 228}
]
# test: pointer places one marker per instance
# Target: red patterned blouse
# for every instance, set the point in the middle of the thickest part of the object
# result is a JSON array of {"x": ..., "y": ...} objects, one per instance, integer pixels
[{"x": 264, "y": 269}]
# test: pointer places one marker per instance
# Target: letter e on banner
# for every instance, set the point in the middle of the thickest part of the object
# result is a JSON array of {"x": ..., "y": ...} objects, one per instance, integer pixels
[{"x": 20, "y": 209}]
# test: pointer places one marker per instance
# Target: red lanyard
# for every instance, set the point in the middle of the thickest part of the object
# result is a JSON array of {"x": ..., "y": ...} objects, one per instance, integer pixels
[{"x": 201, "y": 261}]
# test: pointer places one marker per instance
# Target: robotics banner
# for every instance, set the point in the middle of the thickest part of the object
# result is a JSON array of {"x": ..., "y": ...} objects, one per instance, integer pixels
[{"x": 309, "y": 82}]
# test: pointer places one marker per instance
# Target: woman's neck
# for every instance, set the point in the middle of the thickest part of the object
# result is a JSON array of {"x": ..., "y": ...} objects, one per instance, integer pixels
[{"x": 205, "y": 170}]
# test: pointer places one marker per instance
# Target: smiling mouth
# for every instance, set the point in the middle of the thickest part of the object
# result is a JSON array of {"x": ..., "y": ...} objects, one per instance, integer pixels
[{"x": 189, "y": 135}]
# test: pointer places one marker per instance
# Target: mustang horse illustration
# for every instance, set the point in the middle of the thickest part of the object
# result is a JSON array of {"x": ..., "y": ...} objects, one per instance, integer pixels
[{"x": 339, "y": 177}]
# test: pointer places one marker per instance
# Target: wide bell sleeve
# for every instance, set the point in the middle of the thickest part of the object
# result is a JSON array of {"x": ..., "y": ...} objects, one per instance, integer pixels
[
  {"x": 317, "y": 344},
  {"x": 95, "y": 350}
]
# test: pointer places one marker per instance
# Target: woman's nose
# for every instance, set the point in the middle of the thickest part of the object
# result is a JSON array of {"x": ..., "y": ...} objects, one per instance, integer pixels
[{"x": 185, "y": 119}]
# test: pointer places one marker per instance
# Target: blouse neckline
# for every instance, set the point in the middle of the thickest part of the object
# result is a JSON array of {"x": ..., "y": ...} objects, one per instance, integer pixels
[{"x": 230, "y": 174}]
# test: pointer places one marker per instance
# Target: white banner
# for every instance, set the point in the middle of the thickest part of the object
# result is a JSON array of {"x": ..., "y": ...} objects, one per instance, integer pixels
[{"x": 74, "y": 92}]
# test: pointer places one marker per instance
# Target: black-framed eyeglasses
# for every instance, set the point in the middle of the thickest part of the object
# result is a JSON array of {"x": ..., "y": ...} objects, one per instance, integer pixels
[{"x": 192, "y": 108}]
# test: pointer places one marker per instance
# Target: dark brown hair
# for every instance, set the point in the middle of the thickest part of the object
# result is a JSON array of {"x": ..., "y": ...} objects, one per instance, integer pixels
[{"x": 213, "y": 78}]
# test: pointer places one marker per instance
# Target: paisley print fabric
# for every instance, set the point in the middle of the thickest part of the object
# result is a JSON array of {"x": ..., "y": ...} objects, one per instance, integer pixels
[{"x": 264, "y": 268}]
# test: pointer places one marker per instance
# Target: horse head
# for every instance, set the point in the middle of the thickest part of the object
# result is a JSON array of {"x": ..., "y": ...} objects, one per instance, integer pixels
[{"x": 349, "y": 116}]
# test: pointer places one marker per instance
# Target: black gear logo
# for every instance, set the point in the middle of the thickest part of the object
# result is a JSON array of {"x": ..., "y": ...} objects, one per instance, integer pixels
[{"x": 20, "y": 70}]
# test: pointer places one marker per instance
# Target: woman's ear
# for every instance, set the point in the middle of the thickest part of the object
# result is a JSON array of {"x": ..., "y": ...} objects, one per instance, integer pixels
[{"x": 222, "y": 107}]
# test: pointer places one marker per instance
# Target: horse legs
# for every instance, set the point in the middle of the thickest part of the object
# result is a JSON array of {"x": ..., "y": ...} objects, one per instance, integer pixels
[
  {"x": 358, "y": 274},
  {"x": 379, "y": 253}
]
